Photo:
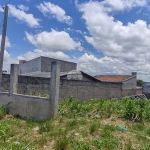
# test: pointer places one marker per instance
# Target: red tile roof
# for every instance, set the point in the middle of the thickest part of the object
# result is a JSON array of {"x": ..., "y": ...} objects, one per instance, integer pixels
[{"x": 113, "y": 78}]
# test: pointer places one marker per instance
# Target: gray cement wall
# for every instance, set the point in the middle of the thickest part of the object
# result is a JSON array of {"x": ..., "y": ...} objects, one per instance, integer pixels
[
  {"x": 43, "y": 64},
  {"x": 65, "y": 66},
  {"x": 35, "y": 108},
  {"x": 30, "y": 66},
  {"x": 82, "y": 90},
  {"x": 129, "y": 83}
]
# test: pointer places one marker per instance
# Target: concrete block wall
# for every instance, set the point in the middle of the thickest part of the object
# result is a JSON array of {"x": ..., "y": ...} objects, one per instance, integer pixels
[
  {"x": 5, "y": 82},
  {"x": 43, "y": 64},
  {"x": 83, "y": 90},
  {"x": 35, "y": 108},
  {"x": 78, "y": 89},
  {"x": 128, "y": 92},
  {"x": 129, "y": 83},
  {"x": 30, "y": 66},
  {"x": 139, "y": 91},
  {"x": 65, "y": 66}
]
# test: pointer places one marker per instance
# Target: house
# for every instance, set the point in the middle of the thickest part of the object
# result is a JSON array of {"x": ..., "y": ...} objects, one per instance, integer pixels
[{"x": 128, "y": 82}]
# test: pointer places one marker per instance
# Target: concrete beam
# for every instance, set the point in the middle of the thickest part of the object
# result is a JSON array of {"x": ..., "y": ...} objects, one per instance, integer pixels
[
  {"x": 13, "y": 78},
  {"x": 54, "y": 88}
]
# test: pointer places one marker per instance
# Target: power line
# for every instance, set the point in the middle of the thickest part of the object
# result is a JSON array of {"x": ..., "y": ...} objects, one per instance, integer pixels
[
  {"x": 8, "y": 2},
  {"x": 4, "y": 8}
]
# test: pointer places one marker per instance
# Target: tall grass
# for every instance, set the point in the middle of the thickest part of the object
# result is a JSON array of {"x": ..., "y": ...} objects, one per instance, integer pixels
[
  {"x": 88, "y": 125},
  {"x": 2, "y": 112}
]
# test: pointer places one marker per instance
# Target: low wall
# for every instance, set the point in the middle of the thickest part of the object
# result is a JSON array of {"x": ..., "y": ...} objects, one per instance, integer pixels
[
  {"x": 82, "y": 90},
  {"x": 128, "y": 92},
  {"x": 35, "y": 108},
  {"x": 139, "y": 91}
]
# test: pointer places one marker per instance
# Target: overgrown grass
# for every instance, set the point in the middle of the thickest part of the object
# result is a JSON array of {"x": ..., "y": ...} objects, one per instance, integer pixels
[
  {"x": 90, "y": 125},
  {"x": 2, "y": 112}
]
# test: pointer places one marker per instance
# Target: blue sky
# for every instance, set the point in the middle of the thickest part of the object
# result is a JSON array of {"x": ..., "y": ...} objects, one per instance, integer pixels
[{"x": 103, "y": 37}]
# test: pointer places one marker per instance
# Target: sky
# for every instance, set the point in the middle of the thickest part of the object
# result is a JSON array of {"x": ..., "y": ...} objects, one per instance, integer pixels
[{"x": 101, "y": 36}]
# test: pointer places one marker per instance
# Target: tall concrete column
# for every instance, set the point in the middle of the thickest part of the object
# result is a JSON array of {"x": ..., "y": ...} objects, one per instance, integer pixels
[
  {"x": 54, "y": 88},
  {"x": 13, "y": 78}
]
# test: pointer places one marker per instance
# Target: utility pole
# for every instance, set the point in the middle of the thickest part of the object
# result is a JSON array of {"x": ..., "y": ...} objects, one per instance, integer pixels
[{"x": 3, "y": 43}]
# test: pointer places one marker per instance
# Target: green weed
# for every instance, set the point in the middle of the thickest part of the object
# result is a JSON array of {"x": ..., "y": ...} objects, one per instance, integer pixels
[
  {"x": 94, "y": 127},
  {"x": 62, "y": 142},
  {"x": 72, "y": 124},
  {"x": 46, "y": 95},
  {"x": 44, "y": 127},
  {"x": 2, "y": 112},
  {"x": 76, "y": 145},
  {"x": 4, "y": 131},
  {"x": 106, "y": 144}
]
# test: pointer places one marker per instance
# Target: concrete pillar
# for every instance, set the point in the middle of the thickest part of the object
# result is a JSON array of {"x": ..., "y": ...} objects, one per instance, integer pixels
[
  {"x": 54, "y": 88},
  {"x": 13, "y": 78}
]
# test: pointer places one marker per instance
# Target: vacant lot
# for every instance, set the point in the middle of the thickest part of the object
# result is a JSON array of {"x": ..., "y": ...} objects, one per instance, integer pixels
[{"x": 91, "y": 125}]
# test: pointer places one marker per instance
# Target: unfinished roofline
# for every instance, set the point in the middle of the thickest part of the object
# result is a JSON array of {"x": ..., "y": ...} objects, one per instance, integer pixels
[
  {"x": 49, "y": 58},
  {"x": 28, "y": 60},
  {"x": 59, "y": 59}
]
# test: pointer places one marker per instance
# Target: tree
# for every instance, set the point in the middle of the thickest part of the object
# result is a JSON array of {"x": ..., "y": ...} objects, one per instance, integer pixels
[{"x": 140, "y": 82}]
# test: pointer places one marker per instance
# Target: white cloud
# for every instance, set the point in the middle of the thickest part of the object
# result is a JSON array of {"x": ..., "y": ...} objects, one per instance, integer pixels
[
  {"x": 8, "y": 60},
  {"x": 107, "y": 65},
  {"x": 7, "y": 42},
  {"x": 121, "y": 5},
  {"x": 1, "y": 9},
  {"x": 7, "y": 57},
  {"x": 127, "y": 45},
  {"x": 37, "y": 52},
  {"x": 73, "y": 30},
  {"x": 21, "y": 16},
  {"x": 113, "y": 38},
  {"x": 23, "y": 7},
  {"x": 53, "y": 41},
  {"x": 52, "y": 10}
]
